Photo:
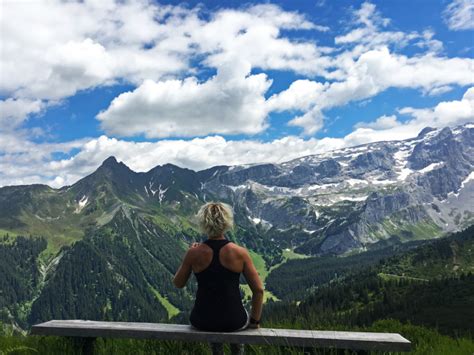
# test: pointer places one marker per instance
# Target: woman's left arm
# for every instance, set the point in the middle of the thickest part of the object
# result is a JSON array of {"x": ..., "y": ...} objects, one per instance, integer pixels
[{"x": 184, "y": 271}]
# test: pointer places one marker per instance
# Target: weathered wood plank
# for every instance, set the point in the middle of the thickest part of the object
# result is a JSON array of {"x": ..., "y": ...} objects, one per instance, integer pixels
[{"x": 290, "y": 337}]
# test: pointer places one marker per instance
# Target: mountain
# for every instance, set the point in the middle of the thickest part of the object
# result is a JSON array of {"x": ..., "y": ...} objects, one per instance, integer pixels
[
  {"x": 348, "y": 199},
  {"x": 107, "y": 246}
]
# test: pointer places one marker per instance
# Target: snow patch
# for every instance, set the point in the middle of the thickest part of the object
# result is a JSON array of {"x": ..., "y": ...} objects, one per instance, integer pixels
[
  {"x": 403, "y": 174},
  {"x": 81, "y": 204},
  {"x": 355, "y": 198},
  {"x": 234, "y": 188},
  {"x": 161, "y": 193},
  {"x": 150, "y": 185},
  {"x": 263, "y": 223},
  {"x": 256, "y": 220},
  {"x": 431, "y": 167},
  {"x": 354, "y": 182},
  {"x": 322, "y": 187},
  {"x": 316, "y": 214},
  {"x": 470, "y": 177},
  {"x": 383, "y": 182}
]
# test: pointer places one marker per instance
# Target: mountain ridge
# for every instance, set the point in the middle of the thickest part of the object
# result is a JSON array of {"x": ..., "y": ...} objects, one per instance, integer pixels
[{"x": 378, "y": 187}]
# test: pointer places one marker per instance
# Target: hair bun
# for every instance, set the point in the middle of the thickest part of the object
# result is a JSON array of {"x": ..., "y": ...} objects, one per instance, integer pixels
[{"x": 215, "y": 218}]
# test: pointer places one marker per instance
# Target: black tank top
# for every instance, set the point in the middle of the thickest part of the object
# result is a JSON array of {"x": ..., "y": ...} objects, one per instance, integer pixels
[{"x": 218, "y": 306}]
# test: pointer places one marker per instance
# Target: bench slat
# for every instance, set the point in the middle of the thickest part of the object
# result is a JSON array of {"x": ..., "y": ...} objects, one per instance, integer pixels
[{"x": 179, "y": 332}]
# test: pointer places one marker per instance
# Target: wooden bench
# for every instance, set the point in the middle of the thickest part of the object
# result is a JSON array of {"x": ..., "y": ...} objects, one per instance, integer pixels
[{"x": 89, "y": 330}]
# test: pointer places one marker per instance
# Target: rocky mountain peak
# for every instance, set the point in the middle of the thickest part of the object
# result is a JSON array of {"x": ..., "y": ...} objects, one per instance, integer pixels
[
  {"x": 425, "y": 131},
  {"x": 110, "y": 161}
]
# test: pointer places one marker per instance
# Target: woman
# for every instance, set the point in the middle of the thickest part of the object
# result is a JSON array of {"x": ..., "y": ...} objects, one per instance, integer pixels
[{"x": 217, "y": 264}]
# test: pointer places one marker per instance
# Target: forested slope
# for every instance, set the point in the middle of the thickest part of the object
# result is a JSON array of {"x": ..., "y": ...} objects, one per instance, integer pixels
[{"x": 432, "y": 285}]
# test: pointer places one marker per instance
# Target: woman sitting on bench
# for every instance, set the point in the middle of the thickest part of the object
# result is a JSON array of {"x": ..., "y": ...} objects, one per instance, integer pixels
[{"x": 217, "y": 264}]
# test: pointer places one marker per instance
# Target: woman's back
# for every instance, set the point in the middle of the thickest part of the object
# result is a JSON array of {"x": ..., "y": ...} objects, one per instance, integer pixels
[{"x": 217, "y": 265}]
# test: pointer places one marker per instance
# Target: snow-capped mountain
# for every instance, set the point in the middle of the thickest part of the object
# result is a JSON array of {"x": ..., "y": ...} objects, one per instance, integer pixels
[
  {"x": 353, "y": 197},
  {"x": 327, "y": 203}
]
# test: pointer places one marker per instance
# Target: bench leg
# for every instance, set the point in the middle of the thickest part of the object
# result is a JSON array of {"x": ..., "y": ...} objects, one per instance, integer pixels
[
  {"x": 84, "y": 345},
  {"x": 217, "y": 348},
  {"x": 235, "y": 349}
]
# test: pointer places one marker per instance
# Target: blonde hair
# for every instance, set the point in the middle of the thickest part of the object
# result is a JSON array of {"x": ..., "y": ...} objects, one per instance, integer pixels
[{"x": 215, "y": 218}]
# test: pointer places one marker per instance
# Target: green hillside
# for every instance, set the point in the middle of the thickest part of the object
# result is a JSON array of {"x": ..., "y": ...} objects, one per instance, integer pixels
[{"x": 431, "y": 285}]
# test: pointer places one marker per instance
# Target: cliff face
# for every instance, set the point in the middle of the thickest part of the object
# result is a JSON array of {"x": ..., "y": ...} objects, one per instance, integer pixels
[{"x": 350, "y": 198}]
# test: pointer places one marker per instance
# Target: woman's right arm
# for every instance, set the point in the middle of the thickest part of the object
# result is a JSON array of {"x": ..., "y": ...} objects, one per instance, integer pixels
[{"x": 251, "y": 275}]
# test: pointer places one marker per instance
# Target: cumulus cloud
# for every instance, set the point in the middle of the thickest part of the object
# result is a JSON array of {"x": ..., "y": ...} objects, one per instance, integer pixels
[
  {"x": 370, "y": 30},
  {"x": 14, "y": 111},
  {"x": 23, "y": 160},
  {"x": 230, "y": 102},
  {"x": 76, "y": 45},
  {"x": 369, "y": 64},
  {"x": 79, "y": 45},
  {"x": 383, "y": 122},
  {"x": 445, "y": 113},
  {"x": 373, "y": 72},
  {"x": 23, "y": 165},
  {"x": 459, "y": 15},
  {"x": 300, "y": 95},
  {"x": 255, "y": 35}
]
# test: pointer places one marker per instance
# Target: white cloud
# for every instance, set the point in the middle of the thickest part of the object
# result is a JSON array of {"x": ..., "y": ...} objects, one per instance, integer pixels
[
  {"x": 231, "y": 102},
  {"x": 368, "y": 32},
  {"x": 373, "y": 72},
  {"x": 80, "y": 45},
  {"x": 440, "y": 90},
  {"x": 24, "y": 164},
  {"x": 383, "y": 122},
  {"x": 445, "y": 113},
  {"x": 459, "y": 15},
  {"x": 427, "y": 41},
  {"x": 311, "y": 121},
  {"x": 254, "y": 35},
  {"x": 76, "y": 45},
  {"x": 13, "y": 112},
  {"x": 300, "y": 95},
  {"x": 23, "y": 160},
  {"x": 235, "y": 103},
  {"x": 369, "y": 64}
]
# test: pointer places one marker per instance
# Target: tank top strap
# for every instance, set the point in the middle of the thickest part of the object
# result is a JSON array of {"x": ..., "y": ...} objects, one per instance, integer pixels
[{"x": 216, "y": 246}]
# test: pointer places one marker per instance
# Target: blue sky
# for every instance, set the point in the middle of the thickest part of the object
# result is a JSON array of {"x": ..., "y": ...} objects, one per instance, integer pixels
[{"x": 199, "y": 84}]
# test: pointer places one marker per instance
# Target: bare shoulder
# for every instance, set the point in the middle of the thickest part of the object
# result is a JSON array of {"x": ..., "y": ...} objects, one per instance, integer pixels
[
  {"x": 195, "y": 250},
  {"x": 238, "y": 250}
]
